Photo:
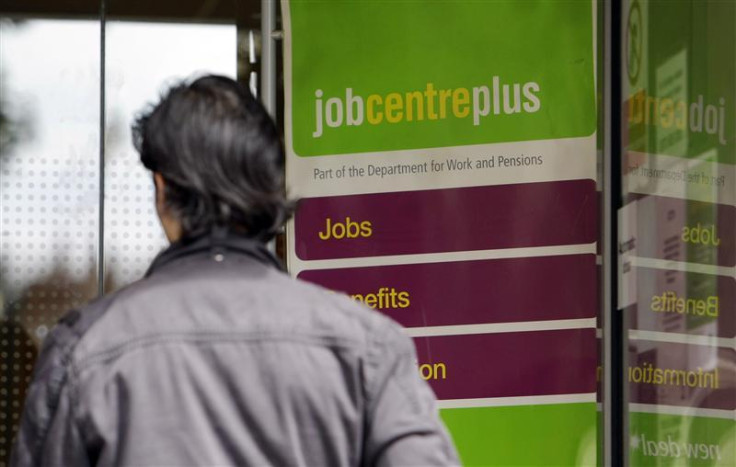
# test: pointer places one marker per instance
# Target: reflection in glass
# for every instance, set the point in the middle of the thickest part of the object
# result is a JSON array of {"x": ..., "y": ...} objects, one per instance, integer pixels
[{"x": 678, "y": 230}]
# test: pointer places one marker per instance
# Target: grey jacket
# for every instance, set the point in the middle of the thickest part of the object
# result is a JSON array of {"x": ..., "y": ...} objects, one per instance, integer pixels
[{"x": 219, "y": 358}]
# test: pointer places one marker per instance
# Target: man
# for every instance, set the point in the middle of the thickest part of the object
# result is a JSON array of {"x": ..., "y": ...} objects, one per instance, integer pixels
[{"x": 217, "y": 357}]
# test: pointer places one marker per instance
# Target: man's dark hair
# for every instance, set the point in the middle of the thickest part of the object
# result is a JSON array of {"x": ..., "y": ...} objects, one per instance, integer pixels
[{"x": 220, "y": 155}]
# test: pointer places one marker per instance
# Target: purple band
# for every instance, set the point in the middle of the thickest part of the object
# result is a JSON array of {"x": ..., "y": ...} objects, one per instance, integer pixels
[
  {"x": 472, "y": 292},
  {"x": 509, "y": 364},
  {"x": 458, "y": 219}
]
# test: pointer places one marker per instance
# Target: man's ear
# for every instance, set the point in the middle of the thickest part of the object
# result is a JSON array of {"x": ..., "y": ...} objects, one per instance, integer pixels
[
  {"x": 170, "y": 224},
  {"x": 160, "y": 183}
]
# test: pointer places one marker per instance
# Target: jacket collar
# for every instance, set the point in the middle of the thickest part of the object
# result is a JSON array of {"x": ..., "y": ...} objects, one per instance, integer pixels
[{"x": 219, "y": 240}]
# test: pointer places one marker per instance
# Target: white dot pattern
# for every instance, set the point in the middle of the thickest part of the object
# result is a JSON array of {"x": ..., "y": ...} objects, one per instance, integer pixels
[
  {"x": 49, "y": 193},
  {"x": 133, "y": 234}
]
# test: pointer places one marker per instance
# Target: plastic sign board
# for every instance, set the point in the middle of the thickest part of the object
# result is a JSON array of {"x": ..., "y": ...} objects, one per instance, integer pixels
[{"x": 445, "y": 155}]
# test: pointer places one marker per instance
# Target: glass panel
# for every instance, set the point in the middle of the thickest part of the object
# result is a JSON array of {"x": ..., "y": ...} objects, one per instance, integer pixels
[
  {"x": 49, "y": 188},
  {"x": 163, "y": 45},
  {"x": 678, "y": 240}
]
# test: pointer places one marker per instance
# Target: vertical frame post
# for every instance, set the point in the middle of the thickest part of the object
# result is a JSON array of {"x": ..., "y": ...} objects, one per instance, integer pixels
[
  {"x": 613, "y": 384},
  {"x": 103, "y": 124},
  {"x": 268, "y": 65},
  {"x": 268, "y": 56}
]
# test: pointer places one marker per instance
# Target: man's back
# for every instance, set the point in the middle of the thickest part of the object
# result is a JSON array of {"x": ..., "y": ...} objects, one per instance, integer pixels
[{"x": 218, "y": 358}]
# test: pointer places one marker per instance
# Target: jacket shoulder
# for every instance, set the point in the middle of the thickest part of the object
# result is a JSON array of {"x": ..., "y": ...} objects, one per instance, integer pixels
[{"x": 346, "y": 313}]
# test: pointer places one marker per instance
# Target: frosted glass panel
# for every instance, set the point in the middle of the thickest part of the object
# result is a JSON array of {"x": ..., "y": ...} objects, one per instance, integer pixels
[{"x": 49, "y": 190}]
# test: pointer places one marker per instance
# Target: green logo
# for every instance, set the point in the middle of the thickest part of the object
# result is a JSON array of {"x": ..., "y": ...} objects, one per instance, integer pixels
[{"x": 382, "y": 76}]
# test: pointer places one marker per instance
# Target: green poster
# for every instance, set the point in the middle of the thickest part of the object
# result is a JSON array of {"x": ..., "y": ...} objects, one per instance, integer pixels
[{"x": 445, "y": 155}]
